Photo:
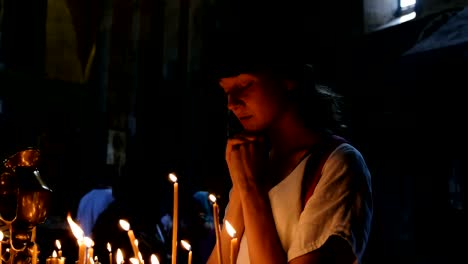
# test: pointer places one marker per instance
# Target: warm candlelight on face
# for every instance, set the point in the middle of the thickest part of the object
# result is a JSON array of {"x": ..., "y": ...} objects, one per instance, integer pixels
[
  {"x": 126, "y": 226},
  {"x": 217, "y": 227},
  {"x": 119, "y": 258},
  {"x": 232, "y": 233},
  {"x": 79, "y": 235},
  {"x": 175, "y": 220},
  {"x": 109, "y": 248},
  {"x": 154, "y": 259},
  {"x": 187, "y": 246}
]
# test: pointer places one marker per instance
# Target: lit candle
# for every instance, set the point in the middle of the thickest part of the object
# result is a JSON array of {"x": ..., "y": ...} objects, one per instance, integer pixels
[
  {"x": 59, "y": 246},
  {"x": 154, "y": 259},
  {"x": 1, "y": 241},
  {"x": 175, "y": 220},
  {"x": 119, "y": 257},
  {"x": 134, "y": 260},
  {"x": 140, "y": 257},
  {"x": 61, "y": 259},
  {"x": 232, "y": 233},
  {"x": 90, "y": 250},
  {"x": 216, "y": 226},
  {"x": 126, "y": 226},
  {"x": 52, "y": 259},
  {"x": 110, "y": 252},
  {"x": 79, "y": 235},
  {"x": 187, "y": 246}
]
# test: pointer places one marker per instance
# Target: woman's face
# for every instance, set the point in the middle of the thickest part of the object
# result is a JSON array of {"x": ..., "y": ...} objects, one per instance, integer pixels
[{"x": 257, "y": 100}]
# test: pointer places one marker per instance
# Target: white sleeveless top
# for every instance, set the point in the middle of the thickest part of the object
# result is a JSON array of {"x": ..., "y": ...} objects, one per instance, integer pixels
[{"x": 341, "y": 205}]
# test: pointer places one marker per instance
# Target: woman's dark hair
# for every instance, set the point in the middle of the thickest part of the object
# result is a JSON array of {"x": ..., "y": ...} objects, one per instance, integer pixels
[
  {"x": 319, "y": 106},
  {"x": 244, "y": 50}
]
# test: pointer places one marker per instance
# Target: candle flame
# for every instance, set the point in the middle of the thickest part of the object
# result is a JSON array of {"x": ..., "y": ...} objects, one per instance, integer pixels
[
  {"x": 119, "y": 256},
  {"x": 57, "y": 243},
  {"x": 134, "y": 260},
  {"x": 186, "y": 245},
  {"x": 154, "y": 259},
  {"x": 135, "y": 242},
  {"x": 140, "y": 257},
  {"x": 109, "y": 247},
  {"x": 54, "y": 254},
  {"x": 88, "y": 242},
  {"x": 231, "y": 231},
  {"x": 212, "y": 198},
  {"x": 172, "y": 177},
  {"x": 76, "y": 229},
  {"x": 1, "y": 235},
  {"x": 124, "y": 224}
]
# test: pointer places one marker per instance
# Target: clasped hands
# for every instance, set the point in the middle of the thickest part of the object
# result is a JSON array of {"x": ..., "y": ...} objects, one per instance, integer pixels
[{"x": 247, "y": 159}]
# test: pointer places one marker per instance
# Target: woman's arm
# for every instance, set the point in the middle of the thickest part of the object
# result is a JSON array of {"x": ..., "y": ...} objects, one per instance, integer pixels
[
  {"x": 260, "y": 229},
  {"x": 335, "y": 251},
  {"x": 247, "y": 161}
]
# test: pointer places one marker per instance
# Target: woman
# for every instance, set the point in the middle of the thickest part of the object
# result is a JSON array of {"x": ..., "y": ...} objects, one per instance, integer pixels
[{"x": 285, "y": 115}]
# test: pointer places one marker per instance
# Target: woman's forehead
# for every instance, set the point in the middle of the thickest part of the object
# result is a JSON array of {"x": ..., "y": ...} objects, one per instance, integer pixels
[{"x": 237, "y": 80}]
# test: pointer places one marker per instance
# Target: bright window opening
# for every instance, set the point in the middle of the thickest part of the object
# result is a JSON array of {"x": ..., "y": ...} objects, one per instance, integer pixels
[{"x": 407, "y": 3}]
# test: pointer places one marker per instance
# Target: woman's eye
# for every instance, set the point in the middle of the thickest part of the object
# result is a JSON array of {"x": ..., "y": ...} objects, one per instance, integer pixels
[{"x": 245, "y": 83}]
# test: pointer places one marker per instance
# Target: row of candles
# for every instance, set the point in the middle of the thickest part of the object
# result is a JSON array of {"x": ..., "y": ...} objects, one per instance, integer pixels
[
  {"x": 231, "y": 231},
  {"x": 85, "y": 244}
]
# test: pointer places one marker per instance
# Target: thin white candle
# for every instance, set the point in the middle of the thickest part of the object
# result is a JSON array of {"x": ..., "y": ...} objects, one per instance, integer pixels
[
  {"x": 109, "y": 248},
  {"x": 232, "y": 233},
  {"x": 79, "y": 235},
  {"x": 217, "y": 227},
  {"x": 1, "y": 241},
  {"x": 188, "y": 247},
  {"x": 140, "y": 257},
  {"x": 59, "y": 246},
  {"x": 60, "y": 258},
  {"x": 175, "y": 218},
  {"x": 90, "y": 250},
  {"x": 126, "y": 226}
]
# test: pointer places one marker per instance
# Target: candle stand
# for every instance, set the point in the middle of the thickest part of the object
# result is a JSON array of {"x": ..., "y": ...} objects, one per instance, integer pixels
[{"x": 24, "y": 203}]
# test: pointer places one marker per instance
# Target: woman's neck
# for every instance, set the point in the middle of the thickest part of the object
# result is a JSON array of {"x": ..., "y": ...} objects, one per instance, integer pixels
[{"x": 289, "y": 135}]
